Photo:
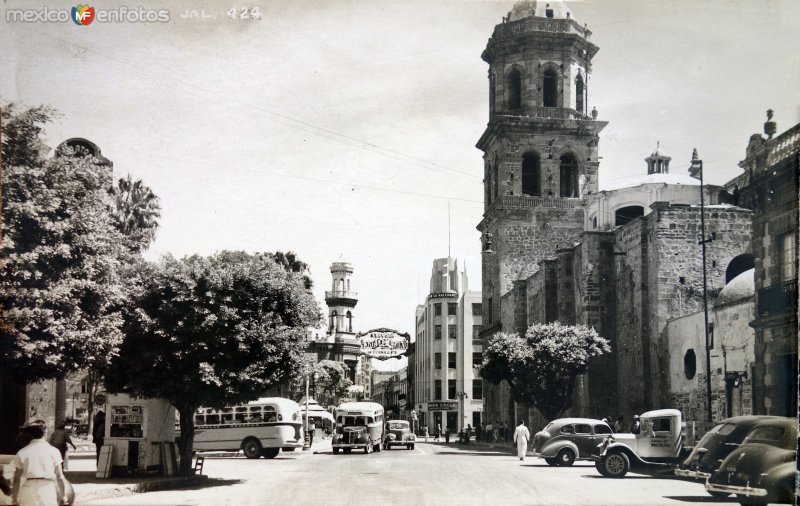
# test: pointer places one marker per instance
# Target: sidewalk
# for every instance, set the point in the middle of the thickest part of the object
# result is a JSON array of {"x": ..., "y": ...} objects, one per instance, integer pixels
[{"x": 81, "y": 473}]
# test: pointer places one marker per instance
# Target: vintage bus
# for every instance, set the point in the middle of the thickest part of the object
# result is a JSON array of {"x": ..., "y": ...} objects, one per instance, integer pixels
[
  {"x": 258, "y": 428},
  {"x": 359, "y": 425}
]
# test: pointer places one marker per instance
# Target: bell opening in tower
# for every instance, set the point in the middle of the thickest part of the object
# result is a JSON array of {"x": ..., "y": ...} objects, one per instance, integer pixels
[
  {"x": 531, "y": 174},
  {"x": 550, "y": 89}
]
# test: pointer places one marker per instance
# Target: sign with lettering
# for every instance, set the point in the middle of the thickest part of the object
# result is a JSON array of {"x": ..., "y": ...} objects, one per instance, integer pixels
[
  {"x": 443, "y": 295},
  {"x": 383, "y": 343},
  {"x": 442, "y": 406}
]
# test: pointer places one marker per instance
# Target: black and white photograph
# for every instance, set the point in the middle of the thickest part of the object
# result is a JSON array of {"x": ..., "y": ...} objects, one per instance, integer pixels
[{"x": 380, "y": 252}]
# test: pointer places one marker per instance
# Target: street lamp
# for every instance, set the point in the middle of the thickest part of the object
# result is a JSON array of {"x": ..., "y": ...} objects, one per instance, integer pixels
[{"x": 695, "y": 170}]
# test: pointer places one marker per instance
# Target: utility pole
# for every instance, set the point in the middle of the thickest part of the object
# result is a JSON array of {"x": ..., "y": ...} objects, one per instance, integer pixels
[{"x": 697, "y": 169}]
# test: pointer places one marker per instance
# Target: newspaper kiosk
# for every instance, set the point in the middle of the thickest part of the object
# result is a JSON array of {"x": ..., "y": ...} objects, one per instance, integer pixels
[{"x": 140, "y": 434}]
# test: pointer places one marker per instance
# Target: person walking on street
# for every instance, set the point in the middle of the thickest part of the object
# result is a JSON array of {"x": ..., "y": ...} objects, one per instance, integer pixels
[
  {"x": 425, "y": 432},
  {"x": 438, "y": 432},
  {"x": 447, "y": 435},
  {"x": 60, "y": 439},
  {"x": 311, "y": 428},
  {"x": 521, "y": 437},
  {"x": 38, "y": 477}
]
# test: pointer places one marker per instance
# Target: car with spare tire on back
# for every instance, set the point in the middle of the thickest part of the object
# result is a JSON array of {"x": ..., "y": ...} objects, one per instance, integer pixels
[{"x": 565, "y": 440}]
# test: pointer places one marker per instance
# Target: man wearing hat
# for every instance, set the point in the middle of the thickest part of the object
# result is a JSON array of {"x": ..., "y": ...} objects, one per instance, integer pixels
[{"x": 38, "y": 478}]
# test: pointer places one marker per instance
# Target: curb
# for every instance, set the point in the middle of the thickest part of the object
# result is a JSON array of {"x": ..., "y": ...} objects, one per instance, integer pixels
[{"x": 136, "y": 488}]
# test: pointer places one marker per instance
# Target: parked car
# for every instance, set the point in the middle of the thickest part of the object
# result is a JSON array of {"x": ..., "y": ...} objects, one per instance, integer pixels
[
  {"x": 566, "y": 440},
  {"x": 715, "y": 445},
  {"x": 762, "y": 470},
  {"x": 656, "y": 448},
  {"x": 398, "y": 433}
]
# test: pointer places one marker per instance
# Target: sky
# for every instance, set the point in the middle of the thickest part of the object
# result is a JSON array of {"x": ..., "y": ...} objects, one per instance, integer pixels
[{"x": 346, "y": 129}]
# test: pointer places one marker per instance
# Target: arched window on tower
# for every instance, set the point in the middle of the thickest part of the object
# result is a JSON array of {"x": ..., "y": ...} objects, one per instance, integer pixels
[
  {"x": 496, "y": 178},
  {"x": 531, "y": 174},
  {"x": 489, "y": 184},
  {"x": 550, "y": 88},
  {"x": 349, "y": 317},
  {"x": 568, "y": 171},
  {"x": 579, "y": 94},
  {"x": 492, "y": 93},
  {"x": 334, "y": 323},
  {"x": 514, "y": 90}
]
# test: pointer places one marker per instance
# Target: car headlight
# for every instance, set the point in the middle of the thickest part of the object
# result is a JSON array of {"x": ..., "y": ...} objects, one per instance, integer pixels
[{"x": 392, "y": 437}]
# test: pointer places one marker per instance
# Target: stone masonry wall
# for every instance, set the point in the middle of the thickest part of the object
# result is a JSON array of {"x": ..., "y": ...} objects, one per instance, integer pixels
[{"x": 676, "y": 272}]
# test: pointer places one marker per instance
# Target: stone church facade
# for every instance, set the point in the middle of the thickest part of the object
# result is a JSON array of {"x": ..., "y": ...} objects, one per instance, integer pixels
[{"x": 626, "y": 260}]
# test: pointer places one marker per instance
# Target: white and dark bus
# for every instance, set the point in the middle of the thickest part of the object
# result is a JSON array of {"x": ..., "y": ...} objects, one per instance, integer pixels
[{"x": 258, "y": 428}]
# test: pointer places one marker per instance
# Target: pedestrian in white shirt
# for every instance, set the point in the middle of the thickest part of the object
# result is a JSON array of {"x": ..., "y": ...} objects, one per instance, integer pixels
[
  {"x": 38, "y": 477},
  {"x": 521, "y": 437}
]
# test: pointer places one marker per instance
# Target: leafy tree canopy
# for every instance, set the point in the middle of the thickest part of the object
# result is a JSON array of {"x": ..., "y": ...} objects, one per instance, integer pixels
[
  {"x": 60, "y": 290},
  {"x": 330, "y": 381},
  {"x": 61, "y": 284},
  {"x": 542, "y": 367},
  {"x": 213, "y": 331}
]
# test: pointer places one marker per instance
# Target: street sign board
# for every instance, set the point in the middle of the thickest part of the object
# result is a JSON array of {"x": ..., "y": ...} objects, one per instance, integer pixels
[
  {"x": 383, "y": 343},
  {"x": 442, "y": 406},
  {"x": 413, "y": 414},
  {"x": 401, "y": 404}
]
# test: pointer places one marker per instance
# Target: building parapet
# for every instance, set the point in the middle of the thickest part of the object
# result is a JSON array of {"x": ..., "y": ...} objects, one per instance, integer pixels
[
  {"x": 783, "y": 146},
  {"x": 537, "y": 24}
]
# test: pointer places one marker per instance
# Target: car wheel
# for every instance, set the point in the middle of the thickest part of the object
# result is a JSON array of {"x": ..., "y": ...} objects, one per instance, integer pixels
[
  {"x": 411, "y": 447},
  {"x": 551, "y": 461},
  {"x": 752, "y": 501},
  {"x": 615, "y": 464},
  {"x": 367, "y": 448},
  {"x": 336, "y": 451},
  {"x": 270, "y": 453},
  {"x": 565, "y": 457},
  {"x": 377, "y": 447},
  {"x": 251, "y": 449}
]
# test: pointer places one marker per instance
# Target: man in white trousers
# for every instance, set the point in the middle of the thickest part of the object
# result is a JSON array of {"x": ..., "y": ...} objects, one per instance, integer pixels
[{"x": 521, "y": 437}]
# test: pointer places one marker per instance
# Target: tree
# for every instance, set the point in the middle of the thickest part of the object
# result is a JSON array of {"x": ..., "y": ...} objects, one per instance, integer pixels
[
  {"x": 542, "y": 367},
  {"x": 291, "y": 263},
  {"x": 60, "y": 289},
  {"x": 136, "y": 212},
  {"x": 330, "y": 381},
  {"x": 212, "y": 331}
]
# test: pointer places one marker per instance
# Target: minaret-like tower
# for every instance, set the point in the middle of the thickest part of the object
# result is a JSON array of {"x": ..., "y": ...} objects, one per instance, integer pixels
[
  {"x": 341, "y": 301},
  {"x": 540, "y": 146}
]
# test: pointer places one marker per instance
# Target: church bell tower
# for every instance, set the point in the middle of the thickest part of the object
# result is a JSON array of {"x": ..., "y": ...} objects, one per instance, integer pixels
[{"x": 540, "y": 146}]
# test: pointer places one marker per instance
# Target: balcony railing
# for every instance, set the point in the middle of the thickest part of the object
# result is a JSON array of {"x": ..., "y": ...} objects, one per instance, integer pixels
[
  {"x": 340, "y": 294},
  {"x": 536, "y": 24},
  {"x": 544, "y": 112},
  {"x": 777, "y": 299},
  {"x": 525, "y": 201}
]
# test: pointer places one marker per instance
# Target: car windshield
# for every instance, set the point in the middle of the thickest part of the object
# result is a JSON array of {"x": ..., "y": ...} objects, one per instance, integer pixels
[{"x": 397, "y": 426}]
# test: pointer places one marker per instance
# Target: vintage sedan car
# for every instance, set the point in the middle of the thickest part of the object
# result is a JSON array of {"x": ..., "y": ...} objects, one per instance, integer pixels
[
  {"x": 566, "y": 440},
  {"x": 762, "y": 470},
  {"x": 398, "y": 433},
  {"x": 715, "y": 445}
]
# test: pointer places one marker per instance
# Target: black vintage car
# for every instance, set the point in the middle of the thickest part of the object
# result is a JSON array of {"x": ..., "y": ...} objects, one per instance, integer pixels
[
  {"x": 717, "y": 444},
  {"x": 762, "y": 470}
]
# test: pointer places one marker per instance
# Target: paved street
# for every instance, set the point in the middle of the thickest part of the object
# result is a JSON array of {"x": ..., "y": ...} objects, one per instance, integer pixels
[{"x": 431, "y": 474}]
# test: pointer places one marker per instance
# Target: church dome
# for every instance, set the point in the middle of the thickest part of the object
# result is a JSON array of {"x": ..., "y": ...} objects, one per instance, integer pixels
[
  {"x": 741, "y": 287},
  {"x": 633, "y": 181}
]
